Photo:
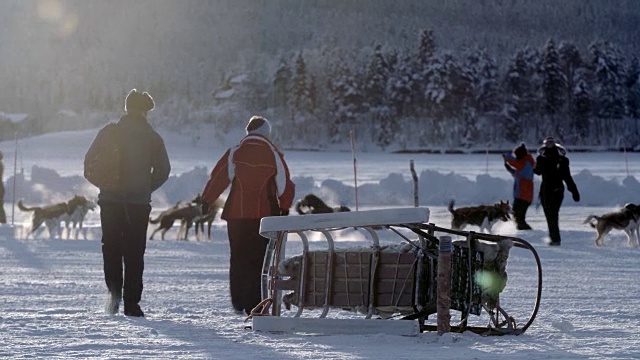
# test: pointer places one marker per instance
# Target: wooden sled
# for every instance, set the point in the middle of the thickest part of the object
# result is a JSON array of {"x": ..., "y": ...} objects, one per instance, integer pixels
[{"x": 386, "y": 282}]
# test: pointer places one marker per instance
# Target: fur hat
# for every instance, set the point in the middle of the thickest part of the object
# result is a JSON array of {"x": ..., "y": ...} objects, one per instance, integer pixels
[
  {"x": 550, "y": 147},
  {"x": 259, "y": 125},
  {"x": 520, "y": 151},
  {"x": 549, "y": 142},
  {"x": 138, "y": 101}
]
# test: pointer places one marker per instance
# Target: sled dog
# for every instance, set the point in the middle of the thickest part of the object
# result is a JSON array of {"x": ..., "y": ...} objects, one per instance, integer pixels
[
  {"x": 185, "y": 213},
  {"x": 52, "y": 215},
  {"x": 311, "y": 204},
  {"x": 626, "y": 219},
  {"x": 483, "y": 216},
  {"x": 208, "y": 215},
  {"x": 74, "y": 221}
]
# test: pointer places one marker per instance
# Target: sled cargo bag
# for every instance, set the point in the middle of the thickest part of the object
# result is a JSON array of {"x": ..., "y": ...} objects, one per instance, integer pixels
[
  {"x": 351, "y": 287},
  {"x": 388, "y": 280}
]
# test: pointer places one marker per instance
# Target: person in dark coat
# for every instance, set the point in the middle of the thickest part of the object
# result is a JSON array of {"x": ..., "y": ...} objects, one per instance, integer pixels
[
  {"x": 520, "y": 164},
  {"x": 125, "y": 208},
  {"x": 553, "y": 165},
  {"x": 260, "y": 186},
  {"x": 3, "y": 216}
]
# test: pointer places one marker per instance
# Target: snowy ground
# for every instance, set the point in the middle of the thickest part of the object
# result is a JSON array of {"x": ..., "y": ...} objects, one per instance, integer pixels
[{"x": 53, "y": 294}]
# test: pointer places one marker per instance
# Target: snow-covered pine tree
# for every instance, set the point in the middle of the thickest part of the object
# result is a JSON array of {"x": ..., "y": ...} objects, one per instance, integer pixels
[
  {"x": 527, "y": 64},
  {"x": 281, "y": 85},
  {"x": 443, "y": 79},
  {"x": 423, "y": 59},
  {"x": 300, "y": 99},
  {"x": 609, "y": 75},
  {"x": 375, "y": 80},
  {"x": 300, "y": 103},
  {"x": 402, "y": 88},
  {"x": 477, "y": 91},
  {"x": 375, "y": 93},
  {"x": 633, "y": 93},
  {"x": 426, "y": 47},
  {"x": 581, "y": 109},
  {"x": 345, "y": 99},
  {"x": 570, "y": 65},
  {"x": 553, "y": 87}
]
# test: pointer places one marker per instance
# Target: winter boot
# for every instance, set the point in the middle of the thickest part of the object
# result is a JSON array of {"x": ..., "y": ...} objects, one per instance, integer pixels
[
  {"x": 524, "y": 226},
  {"x": 133, "y": 310},
  {"x": 113, "y": 303}
]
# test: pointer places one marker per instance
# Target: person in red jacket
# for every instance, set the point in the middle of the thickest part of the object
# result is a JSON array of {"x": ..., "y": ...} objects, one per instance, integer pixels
[
  {"x": 521, "y": 164},
  {"x": 260, "y": 186}
]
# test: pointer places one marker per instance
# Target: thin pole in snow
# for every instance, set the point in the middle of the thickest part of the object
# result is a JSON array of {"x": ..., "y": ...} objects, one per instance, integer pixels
[
  {"x": 487, "y": 164},
  {"x": 355, "y": 170},
  {"x": 626, "y": 161},
  {"x": 15, "y": 166}
]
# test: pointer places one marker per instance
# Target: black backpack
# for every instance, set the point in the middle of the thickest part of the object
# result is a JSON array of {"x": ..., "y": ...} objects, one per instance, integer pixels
[{"x": 103, "y": 161}]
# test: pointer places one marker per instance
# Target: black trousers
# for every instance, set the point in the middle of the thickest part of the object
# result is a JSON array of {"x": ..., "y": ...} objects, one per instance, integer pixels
[
  {"x": 520, "y": 211},
  {"x": 247, "y": 250},
  {"x": 124, "y": 241},
  {"x": 551, "y": 201},
  {"x": 3, "y": 216}
]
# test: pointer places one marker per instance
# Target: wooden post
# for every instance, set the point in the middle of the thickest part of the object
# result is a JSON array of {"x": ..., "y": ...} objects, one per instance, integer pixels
[
  {"x": 444, "y": 286},
  {"x": 414, "y": 176}
]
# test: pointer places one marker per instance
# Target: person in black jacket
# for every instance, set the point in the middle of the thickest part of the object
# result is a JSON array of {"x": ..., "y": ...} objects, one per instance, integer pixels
[
  {"x": 553, "y": 165},
  {"x": 3, "y": 216},
  {"x": 125, "y": 208}
]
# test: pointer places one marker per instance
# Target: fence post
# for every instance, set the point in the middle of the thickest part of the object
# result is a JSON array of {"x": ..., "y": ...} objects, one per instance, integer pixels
[{"x": 414, "y": 176}]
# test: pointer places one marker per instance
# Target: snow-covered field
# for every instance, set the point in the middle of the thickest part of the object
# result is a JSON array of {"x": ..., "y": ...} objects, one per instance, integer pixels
[{"x": 52, "y": 291}]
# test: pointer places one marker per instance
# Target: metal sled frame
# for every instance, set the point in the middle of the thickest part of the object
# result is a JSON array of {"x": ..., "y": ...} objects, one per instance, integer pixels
[{"x": 414, "y": 219}]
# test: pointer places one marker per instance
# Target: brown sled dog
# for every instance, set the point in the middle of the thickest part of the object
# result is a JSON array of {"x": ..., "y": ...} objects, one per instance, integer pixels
[
  {"x": 185, "y": 213},
  {"x": 311, "y": 204},
  {"x": 483, "y": 216},
  {"x": 52, "y": 215},
  {"x": 626, "y": 219},
  {"x": 208, "y": 216}
]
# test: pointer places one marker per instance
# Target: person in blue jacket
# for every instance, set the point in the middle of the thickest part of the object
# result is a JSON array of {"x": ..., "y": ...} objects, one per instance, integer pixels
[{"x": 520, "y": 164}]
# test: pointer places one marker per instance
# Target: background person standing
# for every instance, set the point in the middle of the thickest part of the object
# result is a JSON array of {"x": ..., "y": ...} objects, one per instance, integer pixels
[
  {"x": 3, "y": 216},
  {"x": 520, "y": 164},
  {"x": 260, "y": 186},
  {"x": 125, "y": 201},
  {"x": 553, "y": 165}
]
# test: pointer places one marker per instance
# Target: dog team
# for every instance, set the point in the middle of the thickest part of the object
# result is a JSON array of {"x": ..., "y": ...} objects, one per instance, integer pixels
[
  {"x": 70, "y": 215},
  {"x": 128, "y": 161}
]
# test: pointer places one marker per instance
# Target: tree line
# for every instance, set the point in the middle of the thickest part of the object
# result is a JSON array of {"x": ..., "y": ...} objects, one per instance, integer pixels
[{"x": 430, "y": 96}]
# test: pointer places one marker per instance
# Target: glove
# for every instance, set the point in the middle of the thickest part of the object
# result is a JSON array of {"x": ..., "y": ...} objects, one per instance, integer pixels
[
  {"x": 576, "y": 196},
  {"x": 284, "y": 212}
]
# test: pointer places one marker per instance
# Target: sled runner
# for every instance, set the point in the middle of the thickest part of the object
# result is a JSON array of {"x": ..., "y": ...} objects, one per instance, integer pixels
[{"x": 394, "y": 280}]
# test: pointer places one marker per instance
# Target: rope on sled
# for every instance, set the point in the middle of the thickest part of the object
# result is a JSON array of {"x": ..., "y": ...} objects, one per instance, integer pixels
[{"x": 262, "y": 309}]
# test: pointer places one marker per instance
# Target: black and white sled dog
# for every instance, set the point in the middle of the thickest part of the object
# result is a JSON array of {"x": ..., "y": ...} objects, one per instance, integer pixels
[
  {"x": 626, "y": 219},
  {"x": 483, "y": 216},
  {"x": 311, "y": 204},
  {"x": 52, "y": 215}
]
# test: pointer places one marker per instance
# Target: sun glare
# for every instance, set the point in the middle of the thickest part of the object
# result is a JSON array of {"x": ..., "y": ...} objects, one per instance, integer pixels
[
  {"x": 50, "y": 10},
  {"x": 64, "y": 22}
]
